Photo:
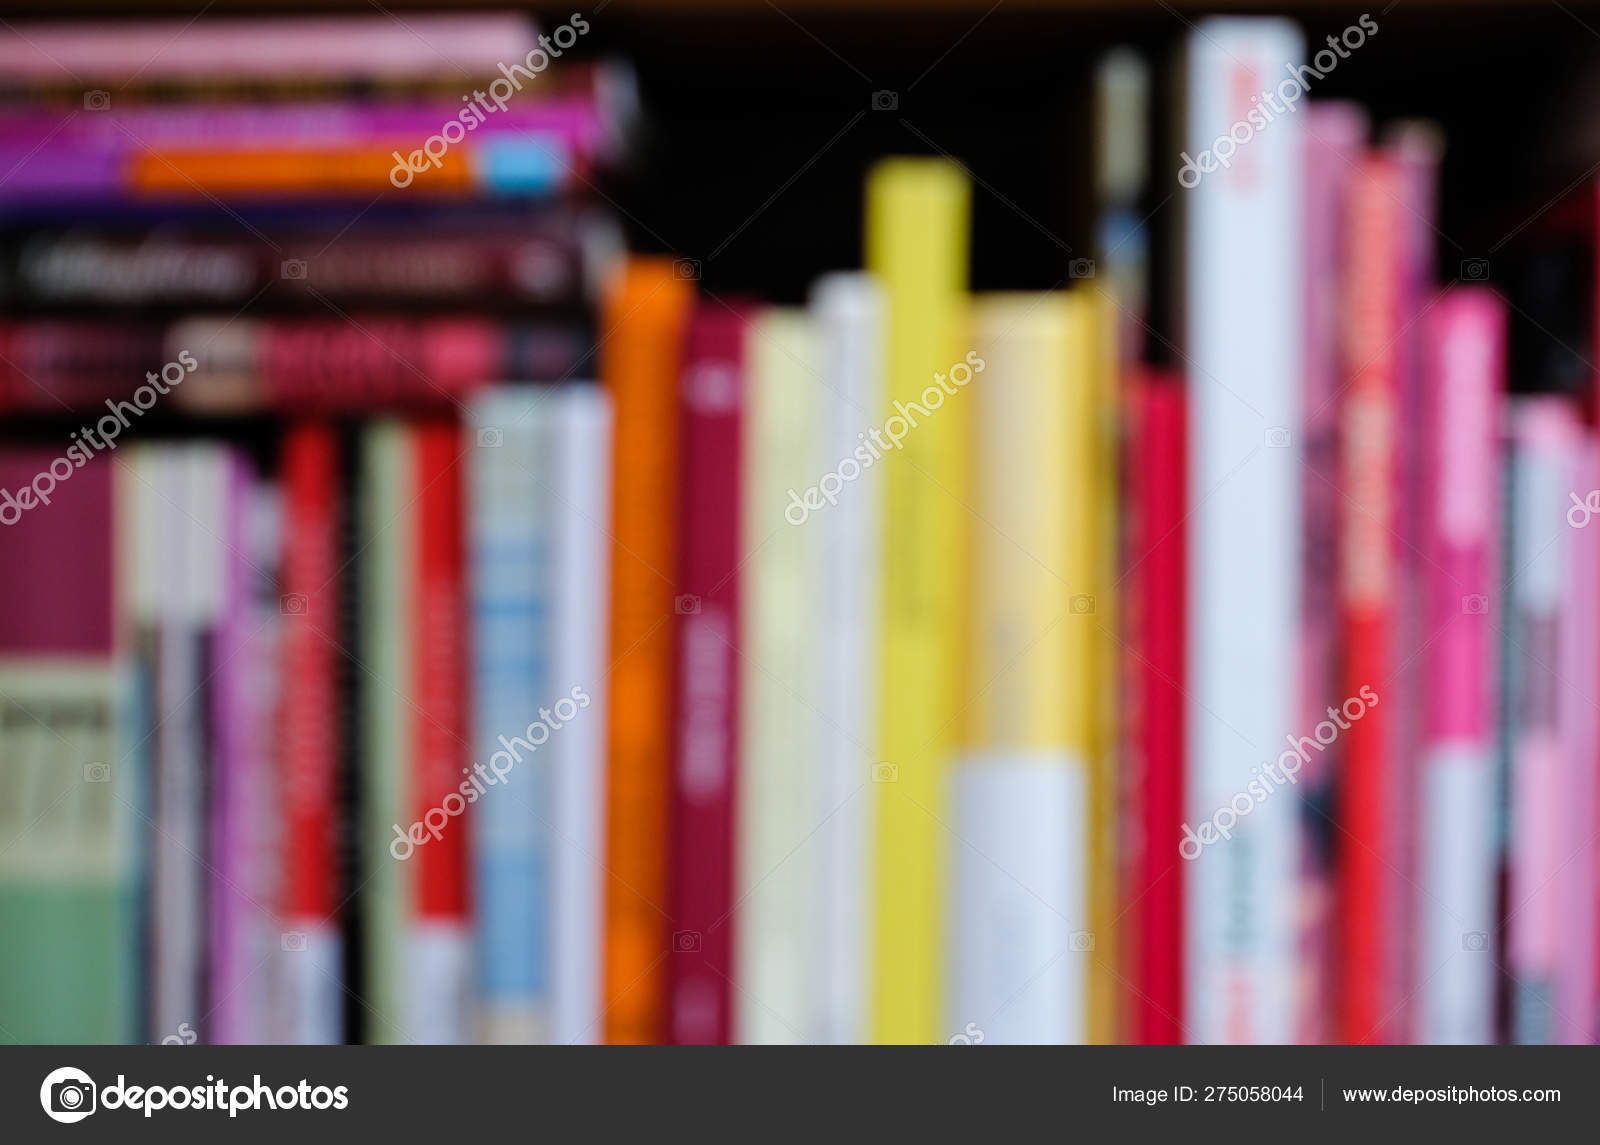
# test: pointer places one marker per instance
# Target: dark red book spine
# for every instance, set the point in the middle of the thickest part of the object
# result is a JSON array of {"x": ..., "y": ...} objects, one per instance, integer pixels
[
  {"x": 1154, "y": 575},
  {"x": 704, "y": 772},
  {"x": 309, "y": 719},
  {"x": 438, "y": 665}
]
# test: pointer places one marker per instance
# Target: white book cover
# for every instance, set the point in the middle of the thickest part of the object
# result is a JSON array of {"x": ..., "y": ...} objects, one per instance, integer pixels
[
  {"x": 582, "y": 513},
  {"x": 1242, "y": 261},
  {"x": 778, "y": 807},
  {"x": 848, "y": 311}
]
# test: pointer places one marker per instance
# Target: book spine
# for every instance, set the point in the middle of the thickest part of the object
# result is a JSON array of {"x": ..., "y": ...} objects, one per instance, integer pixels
[
  {"x": 1414, "y": 149},
  {"x": 309, "y": 739},
  {"x": 583, "y": 575},
  {"x": 512, "y": 465},
  {"x": 386, "y": 545},
  {"x": 1334, "y": 138},
  {"x": 71, "y": 762},
  {"x": 439, "y": 977},
  {"x": 705, "y": 778},
  {"x": 777, "y": 784},
  {"x": 1573, "y": 1005},
  {"x": 1242, "y": 257},
  {"x": 542, "y": 265},
  {"x": 1154, "y": 589},
  {"x": 847, "y": 310},
  {"x": 232, "y": 718},
  {"x": 1454, "y": 970},
  {"x": 1545, "y": 440},
  {"x": 1371, "y": 478},
  {"x": 642, "y": 322},
  {"x": 916, "y": 240},
  {"x": 1022, "y": 945}
]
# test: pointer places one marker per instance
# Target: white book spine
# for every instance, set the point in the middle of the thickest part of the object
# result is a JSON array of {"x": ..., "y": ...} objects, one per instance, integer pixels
[
  {"x": 1242, "y": 263},
  {"x": 848, "y": 311},
  {"x": 778, "y": 810},
  {"x": 582, "y": 588}
]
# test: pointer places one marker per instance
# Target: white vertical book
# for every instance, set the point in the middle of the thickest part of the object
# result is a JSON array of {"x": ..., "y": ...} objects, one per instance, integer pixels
[
  {"x": 1242, "y": 254},
  {"x": 848, "y": 311},
  {"x": 582, "y": 511}
]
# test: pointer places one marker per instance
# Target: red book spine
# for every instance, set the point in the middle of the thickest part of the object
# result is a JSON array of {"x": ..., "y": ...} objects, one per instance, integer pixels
[
  {"x": 309, "y": 718},
  {"x": 704, "y": 774},
  {"x": 438, "y": 609},
  {"x": 1371, "y": 789},
  {"x": 1154, "y": 575}
]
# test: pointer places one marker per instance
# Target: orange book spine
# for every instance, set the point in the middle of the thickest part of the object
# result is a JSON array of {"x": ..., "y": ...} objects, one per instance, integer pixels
[{"x": 643, "y": 320}]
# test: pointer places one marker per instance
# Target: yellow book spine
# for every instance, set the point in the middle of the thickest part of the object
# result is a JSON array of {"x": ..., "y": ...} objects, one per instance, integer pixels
[
  {"x": 917, "y": 234},
  {"x": 1104, "y": 808}
]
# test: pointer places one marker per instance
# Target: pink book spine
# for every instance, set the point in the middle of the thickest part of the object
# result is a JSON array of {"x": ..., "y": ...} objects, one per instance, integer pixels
[
  {"x": 333, "y": 47},
  {"x": 573, "y": 119},
  {"x": 1580, "y": 738},
  {"x": 1415, "y": 148},
  {"x": 1452, "y": 973},
  {"x": 1547, "y": 439},
  {"x": 1335, "y": 134}
]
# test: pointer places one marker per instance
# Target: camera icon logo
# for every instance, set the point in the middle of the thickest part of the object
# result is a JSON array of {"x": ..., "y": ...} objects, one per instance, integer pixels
[
  {"x": 885, "y": 773},
  {"x": 293, "y": 940},
  {"x": 685, "y": 941},
  {"x": 1475, "y": 605},
  {"x": 1474, "y": 940},
  {"x": 1081, "y": 940},
  {"x": 294, "y": 604},
  {"x": 885, "y": 101},
  {"x": 67, "y": 1095},
  {"x": 686, "y": 268},
  {"x": 490, "y": 437},
  {"x": 1080, "y": 604},
  {"x": 687, "y": 604},
  {"x": 1278, "y": 437},
  {"x": 1475, "y": 269},
  {"x": 97, "y": 773},
  {"x": 293, "y": 268},
  {"x": 96, "y": 100},
  {"x": 1080, "y": 268}
]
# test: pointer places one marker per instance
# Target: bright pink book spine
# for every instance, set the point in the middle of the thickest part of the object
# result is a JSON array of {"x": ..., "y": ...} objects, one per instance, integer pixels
[
  {"x": 1335, "y": 135},
  {"x": 1453, "y": 971},
  {"x": 704, "y": 770},
  {"x": 1154, "y": 574}
]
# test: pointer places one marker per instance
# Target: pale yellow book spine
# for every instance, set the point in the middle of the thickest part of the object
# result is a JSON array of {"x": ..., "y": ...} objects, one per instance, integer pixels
[
  {"x": 1104, "y": 1013},
  {"x": 917, "y": 233},
  {"x": 779, "y": 784},
  {"x": 1029, "y": 462}
]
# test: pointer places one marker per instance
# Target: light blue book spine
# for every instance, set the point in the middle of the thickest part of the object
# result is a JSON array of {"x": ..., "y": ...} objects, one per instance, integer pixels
[{"x": 510, "y": 523}]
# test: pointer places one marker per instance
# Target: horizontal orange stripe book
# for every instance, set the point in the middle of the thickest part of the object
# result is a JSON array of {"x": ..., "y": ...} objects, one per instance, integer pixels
[{"x": 287, "y": 170}]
